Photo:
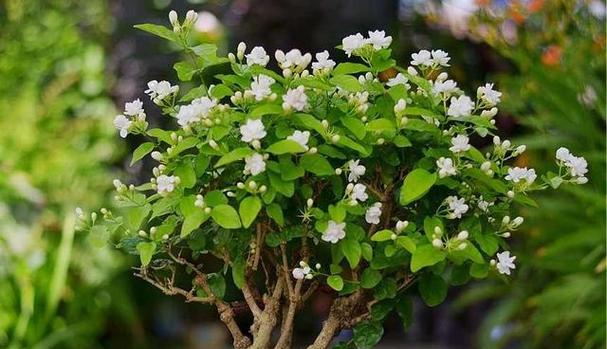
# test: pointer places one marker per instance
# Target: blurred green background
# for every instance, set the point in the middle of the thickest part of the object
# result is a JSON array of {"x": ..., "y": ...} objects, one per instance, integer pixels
[{"x": 66, "y": 66}]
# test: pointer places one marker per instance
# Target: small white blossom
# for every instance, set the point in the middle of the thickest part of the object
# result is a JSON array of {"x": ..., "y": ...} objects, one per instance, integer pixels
[
  {"x": 293, "y": 59},
  {"x": 460, "y": 106},
  {"x": 295, "y": 99},
  {"x": 300, "y": 137},
  {"x": 122, "y": 123},
  {"x": 505, "y": 262},
  {"x": 134, "y": 108},
  {"x": 335, "y": 232},
  {"x": 254, "y": 164},
  {"x": 457, "y": 206},
  {"x": 252, "y": 130},
  {"x": 447, "y": 86},
  {"x": 516, "y": 174},
  {"x": 484, "y": 205},
  {"x": 323, "y": 63},
  {"x": 400, "y": 106},
  {"x": 459, "y": 144},
  {"x": 423, "y": 58},
  {"x": 356, "y": 170},
  {"x": 488, "y": 94},
  {"x": 160, "y": 90},
  {"x": 373, "y": 213},
  {"x": 445, "y": 167},
  {"x": 440, "y": 57},
  {"x": 379, "y": 39},
  {"x": 258, "y": 55},
  {"x": 301, "y": 273},
  {"x": 166, "y": 184},
  {"x": 353, "y": 42},
  {"x": 399, "y": 79},
  {"x": 359, "y": 193},
  {"x": 563, "y": 154},
  {"x": 578, "y": 166},
  {"x": 197, "y": 110},
  {"x": 260, "y": 87}
]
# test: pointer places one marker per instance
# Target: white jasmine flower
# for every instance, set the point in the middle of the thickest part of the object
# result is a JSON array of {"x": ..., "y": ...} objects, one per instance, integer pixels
[
  {"x": 460, "y": 106},
  {"x": 516, "y": 174},
  {"x": 134, "y": 108},
  {"x": 166, "y": 184},
  {"x": 460, "y": 144},
  {"x": 563, "y": 154},
  {"x": 300, "y": 137},
  {"x": 399, "y": 79},
  {"x": 373, "y": 213},
  {"x": 505, "y": 262},
  {"x": 447, "y": 86},
  {"x": 260, "y": 87},
  {"x": 359, "y": 193},
  {"x": 440, "y": 57},
  {"x": 379, "y": 39},
  {"x": 577, "y": 165},
  {"x": 254, "y": 164},
  {"x": 323, "y": 63},
  {"x": 122, "y": 123},
  {"x": 457, "y": 206},
  {"x": 259, "y": 56},
  {"x": 295, "y": 99},
  {"x": 301, "y": 273},
  {"x": 423, "y": 58},
  {"x": 197, "y": 110},
  {"x": 400, "y": 106},
  {"x": 445, "y": 167},
  {"x": 484, "y": 205},
  {"x": 335, "y": 232},
  {"x": 488, "y": 94},
  {"x": 160, "y": 90},
  {"x": 353, "y": 42},
  {"x": 293, "y": 59},
  {"x": 252, "y": 130},
  {"x": 356, "y": 170}
]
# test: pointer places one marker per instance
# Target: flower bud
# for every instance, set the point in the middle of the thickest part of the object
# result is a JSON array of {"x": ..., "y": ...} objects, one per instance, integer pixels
[
  {"x": 232, "y": 57},
  {"x": 437, "y": 243},
  {"x": 263, "y": 189},
  {"x": 401, "y": 225},
  {"x": 510, "y": 194},
  {"x": 309, "y": 202},
  {"x": 173, "y": 18},
  {"x": 412, "y": 71},
  {"x": 338, "y": 171},
  {"x": 335, "y": 138},
  {"x": 463, "y": 235},
  {"x": 438, "y": 231},
  {"x": 506, "y": 144},
  {"x": 485, "y": 166},
  {"x": 242, "y": 47},
  {"x": 496, "y": 140},
  {"x": 207, "y": 210},
  {"x": 313, "y": 150},
  {"x": 349, "y": 188},
  {"x": 400, "y": 106},
  {"x": 256, "y": 144},
  {"x": 165, "y": 237},
  {"x": 441, "y": 77},
  {"x": 252, "y": 185},
  {"x": 393, "y": 236},
  {"x": 142, "y": 233},
  {"x": 462, "y": 246},
  {"x": 317, "y": 265},
  {"x": 156, "y": 155},
  {"x": 489, "y": 113},
  {"x": 380, "y": 141},
  {"x": 517, "y": 221},
  {"x": 506, "y": 220},
  {"x": 191, "y": 16},
  {"x": 325, "y": 124}
]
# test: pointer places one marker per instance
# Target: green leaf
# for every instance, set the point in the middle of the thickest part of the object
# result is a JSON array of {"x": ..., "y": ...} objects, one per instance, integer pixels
[
  {"x": 309, "y": 122},
  {"x": 266, "y": 109},
  {"x": 381, "y": 125},
  {"x": 417, "y": 183},
  {"x": 234, "y": 155},
  {"x": 351, "y": 249},
  {"x": 407, "y": 243},
  {"x": 193, "y": 221},
  {"x": 401, "y": 141},
  {"x": 367, "y": 334},
  {"x": 285, "y": 146},
  {"x": 146, "y": 251},
  {"x": 238, "y": 270},
  {"x": 134, "y": 216},
  {"x": 350, "y": 68},
  {"x": 217, "y": 284},
  {"x": 433, "y": 289},
  {"x": 382, "y": 235},
  {"x": 215, "y": 198},
  {"x": 274, "y": 211},
  {"x": 187, "y": 175},
  {"x": 479, "y": 271},
  {"x": 317, "y": 164},
  {"x": 226, "y": 216},
  {"x": 404, "y": 308},
  {"x": 141, "y": 151},
  {"x": 249, "y": 208},
  {"x": 488, "y": 243},
  {"x": 430, "y": 223},
  {"x": 349, "y": 143},
  {"x": 184, "y": 70},
  {"x": 426, "y": 255},
  {"x": 286, "y": 188},
  {"x": 220, "y": 91},
  {"x": 370, "y": 278},
  {"x": 99, "y": 236},
  {"x": 347, "y": 82},
  {"x": 336, "y": 282},
  {"x": 367, "y": 251},
  {"x": 158, "y": 30},
  {"x": 355, "y": 126}
]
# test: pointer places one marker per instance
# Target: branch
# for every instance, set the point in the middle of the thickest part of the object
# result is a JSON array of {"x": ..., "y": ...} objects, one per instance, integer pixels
[{"x": 170, "y": 289}]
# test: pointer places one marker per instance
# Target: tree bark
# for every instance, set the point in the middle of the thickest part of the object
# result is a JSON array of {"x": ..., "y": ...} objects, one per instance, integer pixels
[{"x": 267, "y": 319}]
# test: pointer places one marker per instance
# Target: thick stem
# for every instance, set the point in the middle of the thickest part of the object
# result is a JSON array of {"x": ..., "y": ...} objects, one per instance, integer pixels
[
  {"x": 267, "y": 320},
  {"x": 341, "y": 309},
  {"x": 286, "y": 335}
]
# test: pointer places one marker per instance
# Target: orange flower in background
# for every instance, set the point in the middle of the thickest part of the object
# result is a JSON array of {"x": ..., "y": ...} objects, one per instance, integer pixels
[
  {"x": 552, "y": 55},
  {"x": 535, "y": 6},
  {"x": 516, "y": 14}
]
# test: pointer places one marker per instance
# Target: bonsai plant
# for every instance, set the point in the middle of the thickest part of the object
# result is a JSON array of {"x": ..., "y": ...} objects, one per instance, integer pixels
[{"x": 355, "y": 177}]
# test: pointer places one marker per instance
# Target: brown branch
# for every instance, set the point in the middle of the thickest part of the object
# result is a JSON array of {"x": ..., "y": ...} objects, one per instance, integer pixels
[
  {"x": 267, "y": 320},
  {"x": 170, "y": 289}
]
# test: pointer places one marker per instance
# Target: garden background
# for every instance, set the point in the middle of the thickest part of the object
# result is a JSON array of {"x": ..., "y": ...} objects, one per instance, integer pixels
[{"x": 67, "y": 66}]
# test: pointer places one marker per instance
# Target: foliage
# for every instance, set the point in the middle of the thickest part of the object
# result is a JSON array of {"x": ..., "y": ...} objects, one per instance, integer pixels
[
  {"x": 558, "y": 95},
  {"x": 281, "y": 184},
  {"x": 55, "y": 148}
]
